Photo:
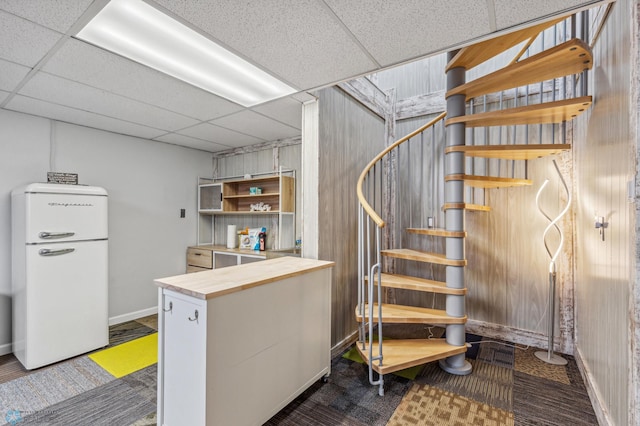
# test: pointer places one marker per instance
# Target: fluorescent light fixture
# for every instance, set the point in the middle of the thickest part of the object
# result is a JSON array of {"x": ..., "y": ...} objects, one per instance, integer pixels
[{"x": 138, "y": 31}]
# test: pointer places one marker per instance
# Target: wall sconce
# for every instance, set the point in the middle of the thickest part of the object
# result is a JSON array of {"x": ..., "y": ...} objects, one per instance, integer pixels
[{"x": 601, "y": 225}]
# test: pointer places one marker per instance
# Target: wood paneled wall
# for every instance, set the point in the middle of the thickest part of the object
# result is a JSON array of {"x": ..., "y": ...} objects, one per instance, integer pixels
[
  {"x": 605, "y": 156},
  {"x": 349, "y": 136}
]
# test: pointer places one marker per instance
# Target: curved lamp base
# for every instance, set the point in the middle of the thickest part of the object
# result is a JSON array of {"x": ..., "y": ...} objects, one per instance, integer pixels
[{"x": 550, "y": 358}]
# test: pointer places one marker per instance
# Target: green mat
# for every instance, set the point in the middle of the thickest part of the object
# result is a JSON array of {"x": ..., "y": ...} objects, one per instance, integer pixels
[{"x": 408, "y": 373}]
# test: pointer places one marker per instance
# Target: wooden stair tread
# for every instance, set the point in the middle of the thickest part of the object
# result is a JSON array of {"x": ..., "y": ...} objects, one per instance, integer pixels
[
  {"x": 437, "y": 232},
  {"x": 423, "y": 256},
  {"x": 401, "y": 354},
  {"x": 466, "y": 206},
  {"x": 570, "y": 57},
  {"x": 417, "y": 284},
  {"x": 544, "y": 113},
  {"x": 489, "y": 181},
  {"x": 471, "y": 56},
  {"x": 510, "y": 152},
  {"x": 401, "y": 314}
]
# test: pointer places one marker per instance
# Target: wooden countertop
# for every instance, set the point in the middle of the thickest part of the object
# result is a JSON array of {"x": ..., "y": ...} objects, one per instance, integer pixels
[
  {"x": 224, "y": 249},
  {"x": 218, "y": 282}
]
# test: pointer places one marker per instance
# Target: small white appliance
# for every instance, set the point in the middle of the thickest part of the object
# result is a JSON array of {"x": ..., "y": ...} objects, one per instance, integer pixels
[{"x": 59, "y": 272}]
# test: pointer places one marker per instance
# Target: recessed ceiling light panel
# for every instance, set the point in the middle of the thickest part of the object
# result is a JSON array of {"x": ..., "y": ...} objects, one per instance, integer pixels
[{"x": 138, "y": 31}]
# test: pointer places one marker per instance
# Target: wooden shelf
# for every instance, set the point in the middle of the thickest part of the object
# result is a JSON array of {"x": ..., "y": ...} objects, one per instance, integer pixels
[
  {"x": 545, "y": 113},
  {"x": 422, "y": 256},
  {"x": 437, "y": 232},
  {"x": 400, "y": 314},
  {"x": 417, "y": 284},
  {"x": 488, "y": 182},
  {"x": 277, "y": 191},
  {"x": 466, "y": 206},
  {"x": 471, "y": 56},
  {"x": 571, "y": 57},
  {"x": 222, "y": 213},
  {"x": 255, "y": 196},
  {"x": 510, "y": 152},
  {"x": 401, "y": 354}
]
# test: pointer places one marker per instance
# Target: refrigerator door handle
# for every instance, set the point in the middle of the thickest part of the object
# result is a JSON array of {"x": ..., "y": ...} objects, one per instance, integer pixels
[
  {"x": 49, "y": 252},
  {"x": 55, "y": 235}
]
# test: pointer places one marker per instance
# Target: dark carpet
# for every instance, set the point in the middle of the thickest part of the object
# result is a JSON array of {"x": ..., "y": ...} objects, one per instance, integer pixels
[{"x": 507, "y": 387}]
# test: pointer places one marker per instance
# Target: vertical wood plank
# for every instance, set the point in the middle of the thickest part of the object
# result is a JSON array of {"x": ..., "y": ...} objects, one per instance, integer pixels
[{"x": 350, "y": 136}]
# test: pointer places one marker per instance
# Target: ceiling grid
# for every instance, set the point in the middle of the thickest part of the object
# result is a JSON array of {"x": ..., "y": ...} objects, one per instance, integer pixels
[{"x": 309, "y": 44}]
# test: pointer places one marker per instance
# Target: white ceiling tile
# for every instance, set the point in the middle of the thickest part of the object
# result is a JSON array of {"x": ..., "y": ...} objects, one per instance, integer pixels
[
  {"x": 393, "y": 33},
  {"x": 79, "y": 96},
  {"x": 299, "y": 41},
  {"x": 24, "y": 42},
  {"x": 82, "y": 62},
  {"x": 514, "y": 12},
  {"x": 256, "y": 125},
  {"x": 11, "y": 75},
  {"x": 83, "y": 118},
  {"x": 286, "y": 110},
  {"x": 187, "y": 141},
  {"x": 58, "y": 15},
  {"x": 219, "y": 135},
  {"x": 303, "y": 97},
  {"x": 3, "y": 95}
]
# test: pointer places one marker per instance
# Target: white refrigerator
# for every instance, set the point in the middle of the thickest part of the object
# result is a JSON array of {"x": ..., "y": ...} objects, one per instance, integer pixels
[{"x": 59, "y": 272}]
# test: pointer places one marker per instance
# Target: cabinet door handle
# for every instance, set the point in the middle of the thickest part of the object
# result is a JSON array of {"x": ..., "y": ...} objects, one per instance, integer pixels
[
  {"x": 195, "y": 314},
  {"x": 170, "y": 307},
  {"x": 198, "y": 254}
]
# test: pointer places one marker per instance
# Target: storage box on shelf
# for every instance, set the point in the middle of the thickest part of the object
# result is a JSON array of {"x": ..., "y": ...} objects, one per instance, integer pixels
[{"x": 272, "y": 195}]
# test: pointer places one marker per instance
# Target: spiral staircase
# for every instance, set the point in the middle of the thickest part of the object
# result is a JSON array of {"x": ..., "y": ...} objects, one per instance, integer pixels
[{"x": 385, "y": 356}]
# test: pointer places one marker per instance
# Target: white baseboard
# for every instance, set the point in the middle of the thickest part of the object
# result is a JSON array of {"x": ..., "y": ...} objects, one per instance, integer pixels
[
  {"x": 344, "y": 344},
  {"x": 5, "y": 349},
  {"x": 133, "y": 315},
  {"x": 599, "y": 408},
  {"x": 515, "y": 335}
]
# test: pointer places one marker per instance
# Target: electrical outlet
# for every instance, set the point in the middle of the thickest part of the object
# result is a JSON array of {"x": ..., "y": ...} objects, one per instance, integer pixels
[{"x": 182, "y": 213}]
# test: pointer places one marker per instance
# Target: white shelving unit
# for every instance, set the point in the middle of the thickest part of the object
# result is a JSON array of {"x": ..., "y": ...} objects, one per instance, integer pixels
[{"x": 231, "y": 196}]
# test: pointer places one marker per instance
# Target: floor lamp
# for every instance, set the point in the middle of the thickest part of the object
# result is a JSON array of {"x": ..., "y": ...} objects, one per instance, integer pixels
[{"x": 548, "y": 356}]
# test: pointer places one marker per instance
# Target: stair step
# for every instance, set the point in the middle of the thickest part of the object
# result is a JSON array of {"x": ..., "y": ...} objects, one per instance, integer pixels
[
  {"x": 544, "y": 113},
  {"x": 571, "y": 57},
  {"x": 437, "y": 232},
  {"x": 401, "y": 354},
  {"x": 466, "y": 206},
  {"x": 471, "y": 56},
  {"x": 488, "y": 181},
  {"x": 510, "y": 152},
  {"x": 423, "y": 256},
  {"x": 417, "y": 284},
  {"x": 400, "y": 314}
]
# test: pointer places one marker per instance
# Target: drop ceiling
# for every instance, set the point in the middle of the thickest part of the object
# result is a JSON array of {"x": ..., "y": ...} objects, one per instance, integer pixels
[{"x": 308, "y": 44}]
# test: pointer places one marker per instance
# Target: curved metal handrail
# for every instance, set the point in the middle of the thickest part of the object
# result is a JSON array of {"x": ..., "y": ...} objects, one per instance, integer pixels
[{"x": 367, "y": 207}]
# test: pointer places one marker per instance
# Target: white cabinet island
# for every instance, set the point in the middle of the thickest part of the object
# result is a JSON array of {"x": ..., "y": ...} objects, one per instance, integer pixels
[{"x": 238, "y": 344}]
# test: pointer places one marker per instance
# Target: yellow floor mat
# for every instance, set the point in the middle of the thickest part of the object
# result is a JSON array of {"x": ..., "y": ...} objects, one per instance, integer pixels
[{"x": 128, "y": 357}]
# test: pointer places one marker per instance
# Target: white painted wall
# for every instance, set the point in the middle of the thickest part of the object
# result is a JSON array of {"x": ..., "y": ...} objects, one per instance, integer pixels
[{"x": 148, "y": 183}]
